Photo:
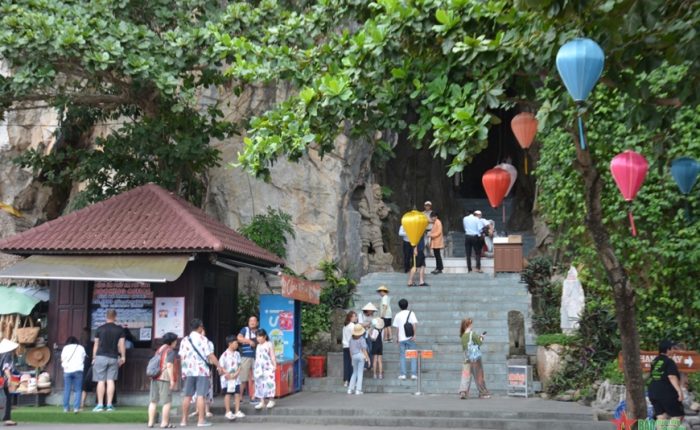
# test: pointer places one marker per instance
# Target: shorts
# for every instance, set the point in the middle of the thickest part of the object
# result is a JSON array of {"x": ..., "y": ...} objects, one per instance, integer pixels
[
  {"x": 670, "y": 406},
  {"x": 236, "y": 390},
  {"x": 246, "y": 368},
  {"x": 160, "y": 392},
  {"x": 196, "y": 385},
  {"x": 105, "y": 369},
  {"x": 420, "y": 260},
  {"x": 387, "y": 323}
]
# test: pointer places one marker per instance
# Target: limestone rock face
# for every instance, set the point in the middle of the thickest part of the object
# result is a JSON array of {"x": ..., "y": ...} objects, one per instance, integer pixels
[{"x": 609, "y": 396}]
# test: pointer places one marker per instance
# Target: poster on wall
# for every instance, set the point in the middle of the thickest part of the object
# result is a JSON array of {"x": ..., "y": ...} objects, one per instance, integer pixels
[
  {"x": 133, "y": 302},
  {"x": 277, "y": 318},
  {"x": 169, "y": 316}
]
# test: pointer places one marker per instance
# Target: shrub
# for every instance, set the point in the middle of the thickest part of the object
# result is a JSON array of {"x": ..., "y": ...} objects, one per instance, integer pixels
[
  {"x": 546, "y": 295},
  {"x": 554, "y": 338},
  {"x": 613, "y": 373},
  {"x": 269, "y": 231}
]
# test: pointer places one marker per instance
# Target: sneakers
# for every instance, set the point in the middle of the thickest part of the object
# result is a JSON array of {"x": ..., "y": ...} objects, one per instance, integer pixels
[
  {"x": 349, "y": 391},
  {"x": 98, "y": 408},
  {"x": 436, "y": 272},
  {"x": 254, "y": 401},
  {"x": 345, "y": 384},
  {"x": 230, "y": 416},
  {"x": 270, "y": 404},
  {"x": 109, "y": 408},
  {"x": 204, "y": 424},
  {"x": 414, "y": 377},
  {"x": 402, "y": 376},
  {"x": 239, "y": 414},
  {"x": 359, "y": 393},
  {"x": 259, "y": 406}
]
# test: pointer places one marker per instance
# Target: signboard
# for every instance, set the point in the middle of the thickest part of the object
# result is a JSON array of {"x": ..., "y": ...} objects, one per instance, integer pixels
[
  {"x": 687, "y": 361},
  {"x": 519, "y": 380},
  {"x": 169, "y": 316},
  {"x": 411, "y": 353},
  {"x": 299, "y": 289},
  {"x": 426, "y": 354},
  {"x": 277, "y": 318},
  {"x": 133, "y": 302}
]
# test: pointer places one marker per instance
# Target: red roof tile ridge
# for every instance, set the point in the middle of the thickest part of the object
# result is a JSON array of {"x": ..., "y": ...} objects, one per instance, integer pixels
[{"x": 184, "y": 210}]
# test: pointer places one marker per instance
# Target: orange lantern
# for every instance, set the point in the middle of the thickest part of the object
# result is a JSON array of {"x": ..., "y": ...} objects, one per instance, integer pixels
[
  {"x": 496, "y": 183},
  {"x": 414, "y": 222},
  {"x": 524, "y": 126}
]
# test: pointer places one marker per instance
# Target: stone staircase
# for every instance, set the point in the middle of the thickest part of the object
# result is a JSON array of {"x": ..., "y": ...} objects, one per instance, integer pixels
[{"x": 485, "y": 298}]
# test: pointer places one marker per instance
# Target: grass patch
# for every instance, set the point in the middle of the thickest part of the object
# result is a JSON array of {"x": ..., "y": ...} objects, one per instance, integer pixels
[{"x": 55, "y": 414}]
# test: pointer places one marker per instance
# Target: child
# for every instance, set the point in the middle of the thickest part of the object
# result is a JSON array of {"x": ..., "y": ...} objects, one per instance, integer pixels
[
  {"x": 230, "y": 360},
  {"x": 264, "y": 371},
  {"x": 375, "y": 335},
  {"x": 358, "y": 352},
  {"x": 385, "y": 310}
]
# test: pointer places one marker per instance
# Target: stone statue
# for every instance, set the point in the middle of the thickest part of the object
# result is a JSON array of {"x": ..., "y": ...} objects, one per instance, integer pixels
[
  {"x": 373, "y": 211},
  {"x": 572, "y": 301}
]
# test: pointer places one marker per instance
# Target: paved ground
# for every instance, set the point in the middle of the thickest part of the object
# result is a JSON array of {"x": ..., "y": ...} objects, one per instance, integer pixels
[{"x": 241, "y": 426}]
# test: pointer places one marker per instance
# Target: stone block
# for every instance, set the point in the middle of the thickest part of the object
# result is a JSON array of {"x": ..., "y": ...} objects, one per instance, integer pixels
[{"x": 335, "y": 364}]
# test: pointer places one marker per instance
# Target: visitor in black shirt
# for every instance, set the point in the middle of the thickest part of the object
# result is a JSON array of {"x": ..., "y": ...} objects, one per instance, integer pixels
[
  {"x": 665, "y": 391},
  {"x": 109, "y": 353}
]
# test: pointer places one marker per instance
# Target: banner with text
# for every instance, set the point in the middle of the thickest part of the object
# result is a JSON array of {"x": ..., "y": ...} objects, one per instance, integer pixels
[
  {"x": 300, "y": 289},
  {"x": 133, "y": 302}
]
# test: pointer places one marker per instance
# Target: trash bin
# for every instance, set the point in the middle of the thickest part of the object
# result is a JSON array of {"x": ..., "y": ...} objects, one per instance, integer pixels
[{"x": 317, "y": 366}]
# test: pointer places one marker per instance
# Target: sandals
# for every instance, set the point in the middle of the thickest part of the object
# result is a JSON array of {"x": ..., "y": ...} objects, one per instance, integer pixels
[
  {"x": 413, "y": 284},
  {"x": 423, "y": 285},
  {"x": 168, "y": 426}
]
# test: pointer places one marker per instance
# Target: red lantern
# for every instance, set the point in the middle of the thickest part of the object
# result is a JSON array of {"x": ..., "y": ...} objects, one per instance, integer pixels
[
  {"x": 629, "y": 170},
  {"x": 496, "y": 183},
  {"x": 524, "y": 126}
]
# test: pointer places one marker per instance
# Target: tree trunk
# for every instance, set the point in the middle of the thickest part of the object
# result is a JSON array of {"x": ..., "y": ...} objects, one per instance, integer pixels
[{"x": 617, "y": 276}]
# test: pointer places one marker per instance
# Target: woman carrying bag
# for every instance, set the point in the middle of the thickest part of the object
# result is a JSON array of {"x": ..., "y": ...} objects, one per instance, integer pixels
[
  {"x": 7, "y": 363},
  {"x": 472, "y": 367}
]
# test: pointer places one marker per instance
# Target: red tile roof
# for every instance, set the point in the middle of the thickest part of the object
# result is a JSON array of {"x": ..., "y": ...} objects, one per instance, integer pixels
[{"x": 147, "y": 219}]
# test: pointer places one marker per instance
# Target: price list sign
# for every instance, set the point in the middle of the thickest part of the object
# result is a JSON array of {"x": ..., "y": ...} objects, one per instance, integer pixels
[{"x": 133, "y": 302}]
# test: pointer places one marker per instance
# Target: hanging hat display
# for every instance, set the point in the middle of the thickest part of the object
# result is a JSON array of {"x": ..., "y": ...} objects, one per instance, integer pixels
[
  {"x": 44, "y": 380},
  {"x": 38, "y": 357}
]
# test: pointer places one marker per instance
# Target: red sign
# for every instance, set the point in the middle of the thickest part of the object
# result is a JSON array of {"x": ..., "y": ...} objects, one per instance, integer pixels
[
  {"x": 299, "y": 289},
  {"x": 426, "y": 354},
  {"x": 411, "y": 353},
  {"x": 687, "y": 361}
]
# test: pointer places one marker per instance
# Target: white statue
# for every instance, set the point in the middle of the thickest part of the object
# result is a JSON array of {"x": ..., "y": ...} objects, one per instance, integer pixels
[{"x": 572, "y": 302}]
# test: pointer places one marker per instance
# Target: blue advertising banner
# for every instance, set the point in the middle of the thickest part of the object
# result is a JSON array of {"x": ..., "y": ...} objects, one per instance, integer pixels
[{"x": 277, "y": 317}]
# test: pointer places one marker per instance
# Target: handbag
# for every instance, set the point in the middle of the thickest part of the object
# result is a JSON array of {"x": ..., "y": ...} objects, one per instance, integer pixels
[
  {"x": 473, "y": 350},
  {"x": 27, "y": 335},
  {"x": 408, "y": 327}
]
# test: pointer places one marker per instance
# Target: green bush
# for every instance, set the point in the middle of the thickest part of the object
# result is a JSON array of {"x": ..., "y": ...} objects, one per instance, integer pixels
[
  {"x": 546, "y": 295},
  {"x": 694, "y": 382},
  {"x": 248, "y": 304},
  {"x": 613, "y": 373},
  {"x": 554, "y": 338},
  {"x": 270, "y": 231}
]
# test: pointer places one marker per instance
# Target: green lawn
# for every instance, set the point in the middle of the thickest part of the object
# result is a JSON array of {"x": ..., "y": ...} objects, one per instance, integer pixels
[{"x": 55, "y": 414}]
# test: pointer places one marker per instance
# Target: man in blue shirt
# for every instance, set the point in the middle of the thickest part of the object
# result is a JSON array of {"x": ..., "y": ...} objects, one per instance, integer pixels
[
  {"x": 472, "y": 238},
  {"x": 247, "y": 340}
]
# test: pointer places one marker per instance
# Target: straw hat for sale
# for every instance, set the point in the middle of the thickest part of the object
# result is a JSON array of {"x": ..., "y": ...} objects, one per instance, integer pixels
[
  {"x": 378, "y": 323},
  {"x": 44, "y": 380},
  {"x": 7, "y": 345},
  {"x": 383, "y": 288},
  {"x": 358, "y": 330},
  {"x": 369, "y": 307},
  {"x": 38, "y": 357}
]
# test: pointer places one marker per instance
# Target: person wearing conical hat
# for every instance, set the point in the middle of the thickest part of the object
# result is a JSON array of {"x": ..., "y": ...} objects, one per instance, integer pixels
[
  {"x": 7, "y": 363},
  {"x": 365, "y": 320},
  {"x": 358, "y": 352}
]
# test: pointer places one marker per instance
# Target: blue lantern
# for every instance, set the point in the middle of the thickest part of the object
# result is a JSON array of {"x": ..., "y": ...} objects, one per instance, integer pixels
[
  {"x": 685, "y": 172},
  {"x": 580, "y": 63}
]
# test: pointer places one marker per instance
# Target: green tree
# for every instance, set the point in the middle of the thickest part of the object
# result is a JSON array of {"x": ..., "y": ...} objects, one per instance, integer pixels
[{"x": 270, "y": 231}]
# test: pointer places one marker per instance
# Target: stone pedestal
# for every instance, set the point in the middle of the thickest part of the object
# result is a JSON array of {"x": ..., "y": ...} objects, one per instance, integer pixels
[{"x": 335, "y": 365}]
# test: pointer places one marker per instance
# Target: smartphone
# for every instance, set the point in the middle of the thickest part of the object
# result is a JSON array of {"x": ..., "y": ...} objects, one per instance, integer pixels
[{"x": 483, "y": 334}]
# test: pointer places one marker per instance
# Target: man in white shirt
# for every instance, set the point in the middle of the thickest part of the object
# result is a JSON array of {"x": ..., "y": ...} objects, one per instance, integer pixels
[
  {"x": 405, "y": 342},
  {"x": 473, "y": 224}
]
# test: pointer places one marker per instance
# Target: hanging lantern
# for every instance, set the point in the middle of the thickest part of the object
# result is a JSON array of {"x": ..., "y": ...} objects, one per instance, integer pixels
[
  {"x": 496, "y": 182},
  {"x": 629, "y": 170},
  {"x": 685, "y": 172},
  {"x": 524, "y": 126},
  {"x": 414, "y": 222},
  {"x": 580, "y": 63}
]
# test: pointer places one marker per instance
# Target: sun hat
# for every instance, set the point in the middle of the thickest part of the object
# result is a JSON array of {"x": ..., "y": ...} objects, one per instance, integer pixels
[
  {"x": 358, "y": 330},
  {"x": 383, "y": 288},
  {"x": 7, "y": 345},
  {"x": 369, "y": 307},
  {"x": 378, "y": 323},
  {"x": 38, "y": 357},
  {"x": 428, "y": 202},
  {"x": 44, "y": 380}
]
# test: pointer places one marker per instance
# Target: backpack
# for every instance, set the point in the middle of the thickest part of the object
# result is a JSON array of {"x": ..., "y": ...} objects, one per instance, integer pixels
[
  {"x": 408, "y": 327},
  {"x": 473, "y": 350},
  {"x": 155, "y": 365}
]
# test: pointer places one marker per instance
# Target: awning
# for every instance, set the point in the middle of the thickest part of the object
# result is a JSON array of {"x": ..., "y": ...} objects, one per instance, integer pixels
[
  {"x": 131, "y": 268},
  {"x": 14, "y": 301}
]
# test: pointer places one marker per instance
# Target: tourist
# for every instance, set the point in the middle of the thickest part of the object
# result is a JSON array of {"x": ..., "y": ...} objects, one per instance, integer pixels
[
  {"x": 231, "y": 362},
  {"x": 365, "y": 320},
  {"x": 350, "y": 320},
  {"x": 375, "y": 336},
  {"x": 472, "y": 367},
  {"x": 437, "y": 242},
  {"x": 73, "y": 361},
  {"x": 7, "y": 363},
  {"x": 406, "y": 319},
  {"x": 473, "y": 226},
  {"x": 488, "y": 232},
  {"x": 418, "y": 265},
  {"x": 407, "y": 250},
  {"x": 665, "y": 392},
  {"x": 358, "y": 352},
  {"x": 108, "y": 355},
  {"x": 163, "y": 384},
  {"x": 197, "y": 354},
  {"x": 210, "y": 393},
  {"x": 385, "y": 310},
  {"x": 427, "y": 210},
  {"x": 264, "y": 371},
  {"x": 247, "y": 340}
]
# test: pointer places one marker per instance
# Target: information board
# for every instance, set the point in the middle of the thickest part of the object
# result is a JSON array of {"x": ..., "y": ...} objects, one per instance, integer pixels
[
  {"x": 133, "y": 302},
  {"x": 277, "y": 318},
  {"x": 169, "y": 316}
]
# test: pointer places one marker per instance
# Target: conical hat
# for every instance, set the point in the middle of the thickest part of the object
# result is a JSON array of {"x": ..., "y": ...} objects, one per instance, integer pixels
[
  {"x": 7, "y": 345},
  {"x": 369, "y": 307}
]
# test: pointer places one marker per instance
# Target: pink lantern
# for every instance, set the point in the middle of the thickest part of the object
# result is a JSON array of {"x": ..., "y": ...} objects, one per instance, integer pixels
[{"x": 629, "y": 170}]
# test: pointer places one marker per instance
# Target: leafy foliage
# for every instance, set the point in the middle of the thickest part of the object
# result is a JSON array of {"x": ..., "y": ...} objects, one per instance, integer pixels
[
  {"x": 546, "y": 295},
  {"x": 248, "y": 304},
  {"x": 554, "y": 339},
  {"x": 613, "y": 373},
  {"x": 270, "y": 231}
]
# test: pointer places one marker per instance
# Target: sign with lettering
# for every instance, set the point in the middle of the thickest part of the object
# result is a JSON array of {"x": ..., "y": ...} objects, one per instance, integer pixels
[
  {"x": 411, "y": 353},
  {"x": 517, "y": 376},
  {"x": 133, "y": 302},
  {"x": 169, "y": 316},
  {"x": 300, "y": 289},
  {"x": 426, "y": 354},
  {"x": 687, "y": 361}
]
